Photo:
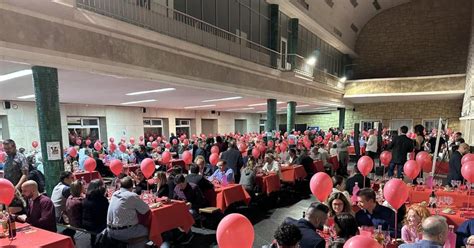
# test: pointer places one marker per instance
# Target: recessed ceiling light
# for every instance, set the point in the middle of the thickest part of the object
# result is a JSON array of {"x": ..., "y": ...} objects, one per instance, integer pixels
[
  {"x": 238, "y": 109},
  {"x": 149, "y": 91},
  {"x": 26, "y": 97},
  {"x": 261, "y": 104},
  {"x": 16, "y": 74},
  {"x": 302, "y": 106},
  {"x": 135, "y": 102},
  {"x": 223, "y": 99},
  {"x": 200, "y": 106}
]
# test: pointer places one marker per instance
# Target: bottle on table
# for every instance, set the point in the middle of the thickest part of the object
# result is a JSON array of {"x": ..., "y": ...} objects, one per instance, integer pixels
[
  {"x": 11, "y": 226},
  {"x": 354, "y": 193},
  {"x": 379, "y": 235},
  {"x": 432, "y": 200},
  {"x": 451, "y": 240},
  {"x": 4, "y": 222}
]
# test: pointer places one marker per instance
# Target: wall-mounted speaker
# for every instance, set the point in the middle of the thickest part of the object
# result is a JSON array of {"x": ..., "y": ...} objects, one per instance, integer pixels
[
  {"x": 7, "y": 105},
  {"x": 219, "y": 113},
  {"x": 144, "y": 110},
  {"x": 213, "y": 112}
]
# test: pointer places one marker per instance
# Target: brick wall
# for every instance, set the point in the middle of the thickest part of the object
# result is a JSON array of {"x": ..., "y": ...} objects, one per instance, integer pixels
[{"x": 419, "y": 38}]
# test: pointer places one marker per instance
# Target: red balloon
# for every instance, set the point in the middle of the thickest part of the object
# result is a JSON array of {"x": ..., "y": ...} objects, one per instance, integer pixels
[
  {"x": 321, "y": 186},
  {"x": 78, "y": 142},
  {"x": 72, "y": 152},
  {"x": 116, "y": 167},
  {"x": 122, "y": 148},
  {"x": 262, "y": 148},
  {"x": 214, "y": 158},
  {"x": 150, "y": 138},
  {"x": 365, "y": 165},
  {"x": 235, "y": 230},
  {"x": 186, "y": 142},
  {"x": 255, "y": 152},
  {"x": 132, "y": 140},
  {"x": 97, "y": 146},
  {"x": 166, "y": 157},
  {"x": 243, "y": 147},
  {"x": 395, "y": 192},
  {"x": 112, "y": 147},
  {"x": 158, "y": 139},
  {"x": 2, "y": 157},
  {"x": 411, "y": 169},
  {"x": 424, "y": 160},
  {"x": 34, "y": 144},
  {"x": 187, "y": 157},
  {"x": 385, "y": 158},
  {"x": 7, "y": 191},
  {"x": 467, "y": 171},
  {"x": 88, "y": 142},
  {"x": 214, "y": 149},
  {"x": 283, "y": 146},
  {"x": 270, "y": 143},
  {"x": 362, "y": 241},
  {"x": 111, "y": 139},
  {"x": 467, "y": 158},
  {"x": 291, "y": 141},
  {"x": 307, "y": 144},
  {"x": 148, "y": 167},
  {"x": 168, "y": 146},
  {"x": 175, "y": 141},
  {"x": 90, "y": 164},
  {"x": 154, "y": 144}
]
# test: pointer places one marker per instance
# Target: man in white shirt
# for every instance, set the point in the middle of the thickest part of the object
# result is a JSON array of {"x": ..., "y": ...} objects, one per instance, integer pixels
[{"x": 271, "y": 165}]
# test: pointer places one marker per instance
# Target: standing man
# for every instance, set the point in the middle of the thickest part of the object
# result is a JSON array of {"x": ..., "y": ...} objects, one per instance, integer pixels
[
  {"x": 454, "y": 172},
  {"x": 371, "y": 147},
  {"x": 401, "y": 145},
  {"x": 233, "y": 157},
  {"x": 16, "y": 167}
]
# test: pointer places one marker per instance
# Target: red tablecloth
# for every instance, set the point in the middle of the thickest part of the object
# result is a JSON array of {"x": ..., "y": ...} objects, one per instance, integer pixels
[
  {"x": 167, "y": 217},
  {"x": 460, "y": 199},
  {"x": 318, "y": 166},
  {"x": 452, "y": 219},
  {"x": 132, "y": 167},
  {"x": 227, "y": 195},
  {"x": 335, "y": 163},
  {"x": 36, "y": 237},
  {"x": 88, "y": 176},
  {"x": 351, "y": 150},
  {"x": 442, "y": 168},
  {"x": 269, "y": 183},
  {"x": 292, "y": 173}
]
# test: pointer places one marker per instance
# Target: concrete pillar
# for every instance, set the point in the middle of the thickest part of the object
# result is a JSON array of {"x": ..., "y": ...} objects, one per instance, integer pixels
[
  {"x": 342, "y": 117},
  {"x": 467, "y": 119},
  {"x": 45, "y": 80},
  {"x": 290, "y": 116},
  {"x": 274, "y": 33},
  {"x": 271, "y": 115}
]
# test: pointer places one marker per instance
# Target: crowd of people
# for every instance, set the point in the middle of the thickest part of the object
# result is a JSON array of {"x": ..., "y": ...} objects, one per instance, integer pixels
[{"x": 354, "y": 202}]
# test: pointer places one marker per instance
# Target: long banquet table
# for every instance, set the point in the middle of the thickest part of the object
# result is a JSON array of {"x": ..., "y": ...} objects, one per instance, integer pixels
[
  {"x": 268, "y": 183},
  {"x": 223, "y": 196},
  {"x": 31, "y": 237},
  {"x": 88, "y": 176},
  {"x": 292, "y": 173}
]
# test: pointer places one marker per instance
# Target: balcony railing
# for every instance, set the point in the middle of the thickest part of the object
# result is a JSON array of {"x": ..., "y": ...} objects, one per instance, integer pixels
[{"x": 168, "y": 21}]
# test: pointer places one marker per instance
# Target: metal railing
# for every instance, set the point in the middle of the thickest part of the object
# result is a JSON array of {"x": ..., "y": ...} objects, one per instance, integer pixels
[{"x": 168, "y": 21}]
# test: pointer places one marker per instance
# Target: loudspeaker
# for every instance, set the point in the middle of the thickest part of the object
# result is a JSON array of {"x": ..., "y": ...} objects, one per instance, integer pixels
[
  {"x": 7, "y": 105},
  {"x": 213, "y": 112},
  {"x": 356, "y": 140},
  {"x": 144, "y": 110},
  {"x": 219, "y": 113}
]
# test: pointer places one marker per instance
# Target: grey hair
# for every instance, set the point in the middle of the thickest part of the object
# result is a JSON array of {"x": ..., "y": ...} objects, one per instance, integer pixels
[{"x": 434, "y": 226}]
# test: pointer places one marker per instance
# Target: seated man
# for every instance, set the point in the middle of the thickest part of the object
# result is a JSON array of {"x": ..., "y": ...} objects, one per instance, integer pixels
[
  {"x": 271, "y": 165},
  {"x": 286, "y": 236},
  {"x": 358, "y": 178},
  {"x": 197, "y": 179},
  {"x": 292, "y": 157},
  {"x": 61, "y": 192},
  {"x": 435, "y": 233},
  {"x": 40, "y": 211},
  {"x": 221, "y": 172},
  {"x": 122, "y": 219},
  {"x": 464, "y": 231},
  {"x": 190, "y": 193},
  {"x": 373, "y": 214},
  {"x": 315, "y": 218}
]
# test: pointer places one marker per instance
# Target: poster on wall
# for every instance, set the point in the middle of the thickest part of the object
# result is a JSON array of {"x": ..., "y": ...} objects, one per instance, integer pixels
[{"x": 54, "y": 150}]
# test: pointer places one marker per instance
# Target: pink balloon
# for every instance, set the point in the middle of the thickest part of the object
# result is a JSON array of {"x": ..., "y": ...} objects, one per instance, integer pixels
[
  {"x": 116, "y": 167},
  {"x": 2, "y": 157},
  {"x": 395, "y": 192},
  {"x": 97, "y": 146},
  {"x": 365, "y": 165},
  {"x": 255, "y": 152},
  {"x": 291, "y": 141},
  {"x": 154, "y": 144},
  {"x": 467, "y": 171},
  {"x": 235, "y": 230},
  {"x": 270, "y": 143},
  {"x": 112, "y": 147},
  {"x": 242, "y": 147},
  {"x": 186, "y": 142},
  {"x": 321, "y": 186},
  {"x": 7, "y": 191},
  {"x": 111, "y": 139},
  {"x": 150, "y": 138},
  {"x": 88, "y": 142},
  {"x": 187, "y": 157},
  {"x": 122, "y": 148},
  {"x": 168, "y": 146},
  {"x": 34, "y": 144},
  {"x": 385, "y": 158},
  {"x": 90, "y": 164},
  {"x": 78, "y": 142},
  {"x": 466, "y": 158},
  {"x": 411, "y": 169},
  {"x": 215, "y": 149},
  {"x": 214, "y": 158},
  {"x": 72, "y": 152},
  {"x": 175, "y": 141},
  {"x": 148, "y": 167},
  {"x": 424, "y": 160},
  {"x": 166, "y": 157},
  {"x": 362, "y": 241},
  {"x": 132, "y": 140},
  {"x": 262, "y": 148}
]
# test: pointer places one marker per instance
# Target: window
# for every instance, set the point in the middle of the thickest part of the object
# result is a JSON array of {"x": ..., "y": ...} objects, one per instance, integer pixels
[
  {"x": 262, "y": 125},
  {"x": 183, "y": 126},
  {"x": 83, "y": 128},
  {"x": 365, "y": 125},
  {"x": 431, "y": 124},
  {"x": 397, "y": 123},
  {"x": 152, "y": 127}
]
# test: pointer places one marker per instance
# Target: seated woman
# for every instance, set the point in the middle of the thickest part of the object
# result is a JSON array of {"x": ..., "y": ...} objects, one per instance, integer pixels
[
  {"x": 339, "y": 186},
  {"x": 338, "y": 204},
  {"x": 141, "y": 183},
  {"x": 162, "y": 188},
  {"x": 94, "y": 208},
  {"x": 411, "y": 231},
  {"x": 74, "y": 204},
  {"x": 345, "y": 226},
  {"x": 247, "y": 177}
]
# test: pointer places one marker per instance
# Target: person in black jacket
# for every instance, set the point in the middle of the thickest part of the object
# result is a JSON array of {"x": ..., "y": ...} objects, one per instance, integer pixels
[
  {"x": 314, "y": 218},
  {"x": 162, "y": 187},
  {"x": 94, "y": 209},
  {"x": 197, "y": 179},
  {"x": 233, "y": 157},
  {"x": 455, "y": 163},
  {"x": 401, "y": 145},
  {"x": 356, "y": 178}
]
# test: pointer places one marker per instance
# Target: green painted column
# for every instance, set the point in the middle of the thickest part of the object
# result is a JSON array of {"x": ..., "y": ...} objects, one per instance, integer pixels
[
  {"x": 274, "y": 39},
  {"x": 290, "y": 116},
  {"x": 271, "y": 115},
  {"x": 293, "y": 41},
  {"x": 342, "y": 118},
  {"x": 45, "y": 81}
]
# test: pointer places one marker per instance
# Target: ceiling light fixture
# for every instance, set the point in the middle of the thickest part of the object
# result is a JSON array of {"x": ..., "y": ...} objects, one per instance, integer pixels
[
  {"x": 223, "y": 99},
  {"x": 26, "y": 97},
  {"x": 302, "y": 106},
  {"x": 149, "y": 91},
  {"x": 311, "y": 61},
  {"x": 261, "y": 104},
  {"x": 135, "y": 102},
  {"x": 238, "y": 109},
  {"x": 200, "y": 106},
  {"x": 343, "y": 79},
  {"x": 16, "y": 74}
]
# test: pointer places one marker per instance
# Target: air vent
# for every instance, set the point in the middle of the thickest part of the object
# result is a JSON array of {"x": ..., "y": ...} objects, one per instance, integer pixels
[
  {"x": 354, "y": 3},
  {"x": 330, "y": 3},
  {"x": 336, "y": 31},
  {"x": 376, "y": 5},
  {"x": 354, "y": 28}
]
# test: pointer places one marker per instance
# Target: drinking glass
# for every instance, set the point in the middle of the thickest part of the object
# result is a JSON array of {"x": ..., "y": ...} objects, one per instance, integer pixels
[
  {"x": 387, "y": 239},
  {"x": 449, "y": 201},
  {"x": 453, "y": 183}
]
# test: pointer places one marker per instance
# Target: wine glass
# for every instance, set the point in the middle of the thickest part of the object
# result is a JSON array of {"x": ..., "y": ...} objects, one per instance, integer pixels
[{"x": 453, "y": 183}]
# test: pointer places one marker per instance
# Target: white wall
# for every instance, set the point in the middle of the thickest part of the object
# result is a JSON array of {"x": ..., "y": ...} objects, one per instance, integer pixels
[{"x": 23, "y": 124}]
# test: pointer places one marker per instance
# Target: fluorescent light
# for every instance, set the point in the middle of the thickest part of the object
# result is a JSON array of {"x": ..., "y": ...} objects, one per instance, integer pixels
[
  {"x": 264, "y": 111},
  {"x": 223, "y": 99},
  {"x": 302, "y": 106},
  {"x": 16, "y": 74},
  {"x": 237, "y": 109},
  {"x": 26, "y": 97},
  {"x": 261, "y": 104},
  {"x": 149, "y": 91},
  {"x": 343, "y": 79},
  {"x": 311, "y": 61},
  {"x": 135, "y": 102},
  {"x": 200, "y": 106}
]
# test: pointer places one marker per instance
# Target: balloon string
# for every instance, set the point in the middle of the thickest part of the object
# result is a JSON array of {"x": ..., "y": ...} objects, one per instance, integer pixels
[
  {"x": 396, "y": 223},
  {"x": 363, "y": 184}
]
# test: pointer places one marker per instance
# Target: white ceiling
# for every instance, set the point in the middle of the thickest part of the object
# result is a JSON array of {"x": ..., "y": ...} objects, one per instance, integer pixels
[{"x": 89, "y": 88}]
